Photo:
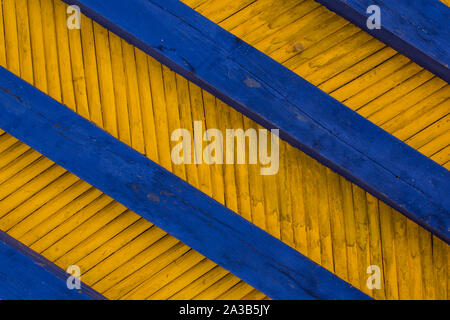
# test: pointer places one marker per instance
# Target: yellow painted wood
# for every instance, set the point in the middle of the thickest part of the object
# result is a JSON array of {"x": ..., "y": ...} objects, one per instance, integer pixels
[
  {"x": 141, "y": 102},
  {"x": 349, "y": 64},
  {"x": 53, "y": 212},
  {"x": 383, "y": 86}
]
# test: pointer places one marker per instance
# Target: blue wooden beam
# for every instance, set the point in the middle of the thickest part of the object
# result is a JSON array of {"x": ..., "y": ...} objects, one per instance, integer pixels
[
  {"x": 162, "y": 198},
  {"x": 275, "y": 97},
  {"x": 26, "y": 275},
  {"x": 418, "y": 29}
]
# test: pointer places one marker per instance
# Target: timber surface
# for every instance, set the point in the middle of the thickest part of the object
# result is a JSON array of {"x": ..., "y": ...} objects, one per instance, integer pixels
[
  {"x": 306, "y": 205},
  {"x": 162, "y": 198},
  {"x": 419, "y": 29},
  {"x": 380, "y": 84},
  {"x": 256, "y": 85},
  {"x": 28, "y": 276},
  {"x": 65, "y": 219}
]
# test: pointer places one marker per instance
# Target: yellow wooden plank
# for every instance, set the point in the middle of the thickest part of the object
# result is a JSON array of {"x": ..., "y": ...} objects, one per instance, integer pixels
[
  {"x": 84, "y": 230},
  {"x": 337, "y": 224},
  {"x": 120, "y": 87},
  {"x": 388, "y": 251},
  {"x": 184, "y": 280},
  {"x": 440, "y": 252},
  {"x": 254, "y": 15},
  {"x": 295, "y": 180},
  {"x": 286, "y": 216},
  {"x": 362, "y": 235},
  {"x": 104, "y": 66},
  {"x": 218, "y": 288},
  {"x": 13, "y": 150},
  {"x": 255, "y": 295},
  {"x": 241, "y": 174},
  {"x": 138, "y": 276},
  {"x": 424, "y": 137},
  {"x": 65, "y": 64},
  {"x": 6, "y": 141},
  {"x": 39, "y": 199},
  {"x": 173, "y": 113},
  {"x": 401, "y": 252},
  {"x": 160, "y": 113},
  {"x": 442, "y": 156},
  {"x": 325, "y": 220},
  {"x": 293, "y": 33},
  {"x": 211, "y": 122},
  {"x": 376, "y": 254},
  {"x": 37, "y": 44},
  {"x": 20, "y": 162},
  {"x": 104, "y": 249},
  {"x": 218, "y": 11},
  {"x": 11, "y": 38},
  {"x": 17, "y": 190},
  {"x": 274, "y": 20},
  {"x": 311, "y": 201},
  {"x": 69, "y": 224},
  {"x": 91, "y": 243},
  {"x": 199, "y": 285},
  {"x": 256, "y": 185},
  {"x": 159, "y": 279},
  {"x": 238, "y": 292},
  {"x": 148, "y": 120},
  {"x": 414, "y": 262},
  {"x": 54, "y": 205},
  {"x": 134, "y": 110},
  {"x": 3, "y": 62},
  {"x": 353, "y": 267},
  {"x": 91, "y": 72},
  {"x": 36, "y": 231},
  {"x": 51, "y": 50}
]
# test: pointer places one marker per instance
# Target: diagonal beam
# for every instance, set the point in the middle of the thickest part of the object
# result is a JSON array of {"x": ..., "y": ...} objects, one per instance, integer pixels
[
  {"x": 275, "y": 97},
  {"x": 26, "y": 275},
  {"x": 162, "y": 198},
  {"x": 418, "y": 29}
]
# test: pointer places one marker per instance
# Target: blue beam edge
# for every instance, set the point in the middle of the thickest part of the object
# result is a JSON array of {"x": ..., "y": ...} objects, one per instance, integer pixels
[
  {"x": 275, "y": 97},
  {"x": 26, "y": 275},
  {"x": 159, "y": 196},
  {"x": 417, "y": 29}
]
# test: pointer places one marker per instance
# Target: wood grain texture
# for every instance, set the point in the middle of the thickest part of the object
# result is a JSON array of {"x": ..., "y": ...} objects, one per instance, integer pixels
[
  {"x": 74, "y": 223},
  {"x": 162, "y": 198},
  {"x": 418, "y": 29},
  {"x": 307, "y": 118},
  {"x": 118, "y": 253}
]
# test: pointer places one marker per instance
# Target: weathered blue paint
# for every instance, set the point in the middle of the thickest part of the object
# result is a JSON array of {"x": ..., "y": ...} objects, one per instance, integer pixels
[
  {"x": 418, "y": 29},
  {"x": 26, "y": 275},
  {"x": 162, "y": 198},
  {"x": 307, "y": 117}
]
